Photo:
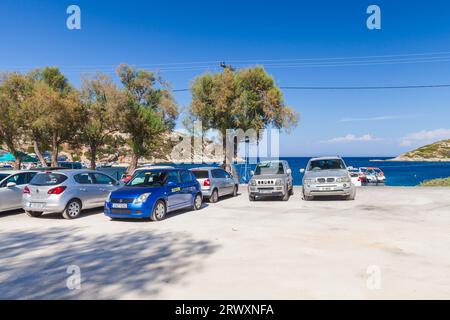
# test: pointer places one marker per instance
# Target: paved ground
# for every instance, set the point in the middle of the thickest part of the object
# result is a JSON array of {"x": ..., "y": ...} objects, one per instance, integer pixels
[{"x": 388, "y": 243}]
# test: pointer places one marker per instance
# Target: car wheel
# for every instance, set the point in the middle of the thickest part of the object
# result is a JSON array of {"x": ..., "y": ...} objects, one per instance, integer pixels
[
  {"x": 33, "y": 214},
  {"x": 291, "y": 191},
  {"x": 197, "y": 202},
  {"x": 159, "y": 211},
  {"x": 251, "y": 198},
  {"x": 235, "y": 191},
  {"x": 214, "y": 196},
  {"x": 351, "y": 197},
  {"x": 307, "y": 198},
  {"x": 72, "y": 210}
]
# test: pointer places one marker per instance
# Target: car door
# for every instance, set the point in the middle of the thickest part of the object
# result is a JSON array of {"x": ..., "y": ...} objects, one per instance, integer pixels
[
  {"x": 229, "y": 182},
  {"x": 85, "y": 189},
  {"x": 104, "y": 185},
  {"x": 219, "y": 181},
  {"x": 173, "y": 188},
  {"x": 188, "y": 187},
  {"x": 11, "y": 197}
]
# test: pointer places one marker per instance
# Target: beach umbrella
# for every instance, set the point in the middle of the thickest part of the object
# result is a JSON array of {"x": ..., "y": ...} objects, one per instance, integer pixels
[{"x": 8, "y": 157}]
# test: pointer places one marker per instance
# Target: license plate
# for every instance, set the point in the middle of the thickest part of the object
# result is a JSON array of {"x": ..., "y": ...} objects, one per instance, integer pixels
[
  {"x": 35, "y": 205},
  {"x": 120, "y": 205},
  {"x": 327, "y": 189},
  {"x": 265, "y": 191}
]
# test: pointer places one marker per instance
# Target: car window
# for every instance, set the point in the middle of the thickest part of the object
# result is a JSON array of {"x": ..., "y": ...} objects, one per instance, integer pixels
[
  {"x": 201, "y": 174},
  {"x": 226, "y": 174},
  {"x": 217, "y": 173},
  {"x": 172, "y": 176},
  {"x": 326, "y": 164},
  {"x": 48, "y": 179},
  {"x": 18, "y": 179},
  {"x": 185, "y": 176},
  {"x": 193, "y": 177},
  {"x": 269, "y": 168},
  {"x": 84, "y": 178},
  {"x": 3, "y": 176},
  {"x": 30, "y": 176},
  {"x": 103, "y": 179},
  {"x": 148, "y": 179}
]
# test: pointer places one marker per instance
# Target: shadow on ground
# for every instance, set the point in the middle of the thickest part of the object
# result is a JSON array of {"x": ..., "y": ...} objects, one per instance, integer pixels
[{"x": 33, "y": 265}]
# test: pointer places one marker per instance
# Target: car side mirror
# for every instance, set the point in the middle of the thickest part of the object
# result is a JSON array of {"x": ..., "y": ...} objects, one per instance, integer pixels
[
  {"x": 289, "y": 171},
  {"x": 11, "y": 184},
  {"x": 302, "y": 170},
  {"x": 171, "y": 184},
  {"x": 252, "y": 173},
  {"x": 350, "y": 168}
]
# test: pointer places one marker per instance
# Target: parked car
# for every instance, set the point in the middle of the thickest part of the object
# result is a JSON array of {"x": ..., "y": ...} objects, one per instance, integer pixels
[
  {"x": 67, "y": 192},
  {"x": 271, "y": 179},
  {"x": 374, "y": 175},
  {"x": 355, "y": 176},
  {"x": 327, "y": 176},
  {"x": 216, "y": 182},
  {"x": 152, "y": 193},
  {"x": 12, "y": 184},
  {"x": 127, "y": 176}
]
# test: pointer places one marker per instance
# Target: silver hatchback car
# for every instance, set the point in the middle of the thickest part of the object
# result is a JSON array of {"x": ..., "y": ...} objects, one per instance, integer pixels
[
  {"x": 67, "y": 191},
  {"x": 216, "y": 182}
]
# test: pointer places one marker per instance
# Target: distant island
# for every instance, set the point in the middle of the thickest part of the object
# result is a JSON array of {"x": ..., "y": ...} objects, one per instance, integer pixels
[{"x": 436, "y": 152}]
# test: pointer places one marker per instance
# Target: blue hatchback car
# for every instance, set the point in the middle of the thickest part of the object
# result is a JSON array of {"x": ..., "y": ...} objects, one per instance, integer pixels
[{"x": 153, "y": 193}]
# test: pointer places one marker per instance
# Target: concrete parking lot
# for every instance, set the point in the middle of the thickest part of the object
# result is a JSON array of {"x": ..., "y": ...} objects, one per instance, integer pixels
[{"x": 389, "y": 243}]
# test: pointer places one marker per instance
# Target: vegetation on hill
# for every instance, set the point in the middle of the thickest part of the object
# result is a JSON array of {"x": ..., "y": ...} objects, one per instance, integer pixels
[
  {"x": 437, "y": 151},
  {"x": 437, "y": 183}
]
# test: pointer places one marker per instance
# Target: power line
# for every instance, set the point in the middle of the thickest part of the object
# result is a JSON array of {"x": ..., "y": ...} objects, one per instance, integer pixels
[{"x": 353, "y": 88}]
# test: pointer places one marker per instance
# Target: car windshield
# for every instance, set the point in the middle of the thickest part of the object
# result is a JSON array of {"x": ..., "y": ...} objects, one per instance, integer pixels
[
  {"x": 326, "y": 164},
  {"x": 148, "y": 179},
  {"x": 3, "y": 176},
  {"x": 200, "y": 174},
  {"x": 48, "y": 179},
  {"x": 269, "y": 168}
]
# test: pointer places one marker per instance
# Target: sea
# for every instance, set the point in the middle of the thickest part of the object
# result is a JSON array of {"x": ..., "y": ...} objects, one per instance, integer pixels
[{"x": 397, "y": 173}]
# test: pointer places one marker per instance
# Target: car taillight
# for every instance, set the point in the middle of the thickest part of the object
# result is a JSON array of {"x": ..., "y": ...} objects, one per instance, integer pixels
[
  {"x": 57, "y": 190},
  {"x": 26, "y": 190},
  {"x": 207, "y": 183}
]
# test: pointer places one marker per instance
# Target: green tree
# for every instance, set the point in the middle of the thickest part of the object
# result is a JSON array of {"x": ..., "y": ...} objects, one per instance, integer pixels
[
  {"x": 14, "y": 90},
  {"x": 243, "y": 99},
  {"x": 55, "y": 112},
  {"x": 102, "y": 102},
  {"x": 150, "y": 111}
]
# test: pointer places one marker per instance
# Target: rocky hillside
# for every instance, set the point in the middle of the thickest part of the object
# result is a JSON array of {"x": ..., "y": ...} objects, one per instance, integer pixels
[{"x": 438, "y": 151}]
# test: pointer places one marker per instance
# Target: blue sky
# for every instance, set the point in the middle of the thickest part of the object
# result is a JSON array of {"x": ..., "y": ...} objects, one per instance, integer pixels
[{"x": 187, "y": 38}]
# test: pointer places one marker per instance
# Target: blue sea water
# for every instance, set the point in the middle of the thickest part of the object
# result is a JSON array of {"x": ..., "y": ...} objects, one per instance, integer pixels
[{"x": 397, "y": 173}]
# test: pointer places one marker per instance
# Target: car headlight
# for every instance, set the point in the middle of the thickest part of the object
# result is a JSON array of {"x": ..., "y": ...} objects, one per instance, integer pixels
[
  {"x": 142, "y": 198},
  {"x": 343, "y": 179},
  {"x": 253, "y": 183},
  {"x": 308, "y": 181},
  {"x": 278, "y": 182}
]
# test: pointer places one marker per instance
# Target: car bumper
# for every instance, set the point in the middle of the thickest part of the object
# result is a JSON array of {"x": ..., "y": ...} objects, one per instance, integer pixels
[
  {"x": 329, "y": 190},
  {"x": 132, "y": 211},
  {"x": 273, "y": 191},
  {"x": 47, "y": 206},
  {"x": 206, "y": 193}
]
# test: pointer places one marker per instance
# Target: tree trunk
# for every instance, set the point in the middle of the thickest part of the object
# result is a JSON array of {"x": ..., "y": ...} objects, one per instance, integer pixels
[
  {"x": 54, "y": 150},
  {"x": 39, "y": 154},
  {"x": 226, "y": 159},
  {"x": 133, "y": 164},
  {"x": 93, "y": 153}
]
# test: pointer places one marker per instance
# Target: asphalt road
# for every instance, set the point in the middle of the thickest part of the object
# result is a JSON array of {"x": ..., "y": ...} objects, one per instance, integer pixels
[{"x": 389, "y": 243}]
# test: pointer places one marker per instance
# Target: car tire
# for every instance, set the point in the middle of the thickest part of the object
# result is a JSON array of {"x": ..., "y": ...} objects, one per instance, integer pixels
[
  {"x": 291, "y": 191},
  {"x": 251, "y": 198},
  {"x": 351, "y": 197},
  {"x": 307, "y": 198},
  {"x": 72, "y": 210},
  {"x": 197, "y": 202},
  {"x": 159, "y": 211},
  {"x": 214, "y": 196},
  {"x": 33, "y": 214},
  {"x": 235, "y": 191}
]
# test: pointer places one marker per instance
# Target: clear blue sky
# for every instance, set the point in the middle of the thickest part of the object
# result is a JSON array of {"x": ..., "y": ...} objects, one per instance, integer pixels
[{"x": 171, "y": 33}]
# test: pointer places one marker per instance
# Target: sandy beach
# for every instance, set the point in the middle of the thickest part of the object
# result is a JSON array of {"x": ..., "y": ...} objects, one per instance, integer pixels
[{"x": 390, "y": 243}]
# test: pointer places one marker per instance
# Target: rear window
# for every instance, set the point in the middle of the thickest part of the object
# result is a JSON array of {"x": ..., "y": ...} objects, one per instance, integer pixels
[
  {"x": 201, "y": 174},
  {"x": 48, "y": 179}
]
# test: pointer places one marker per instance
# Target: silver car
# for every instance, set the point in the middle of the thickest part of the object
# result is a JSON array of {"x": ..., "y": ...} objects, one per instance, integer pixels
[
  {"x": 67, "y": 191},
  {"x": 12, "y": 184},
  {"x": 216, "y": 182},
  {"x": 327, "y": 176}
]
